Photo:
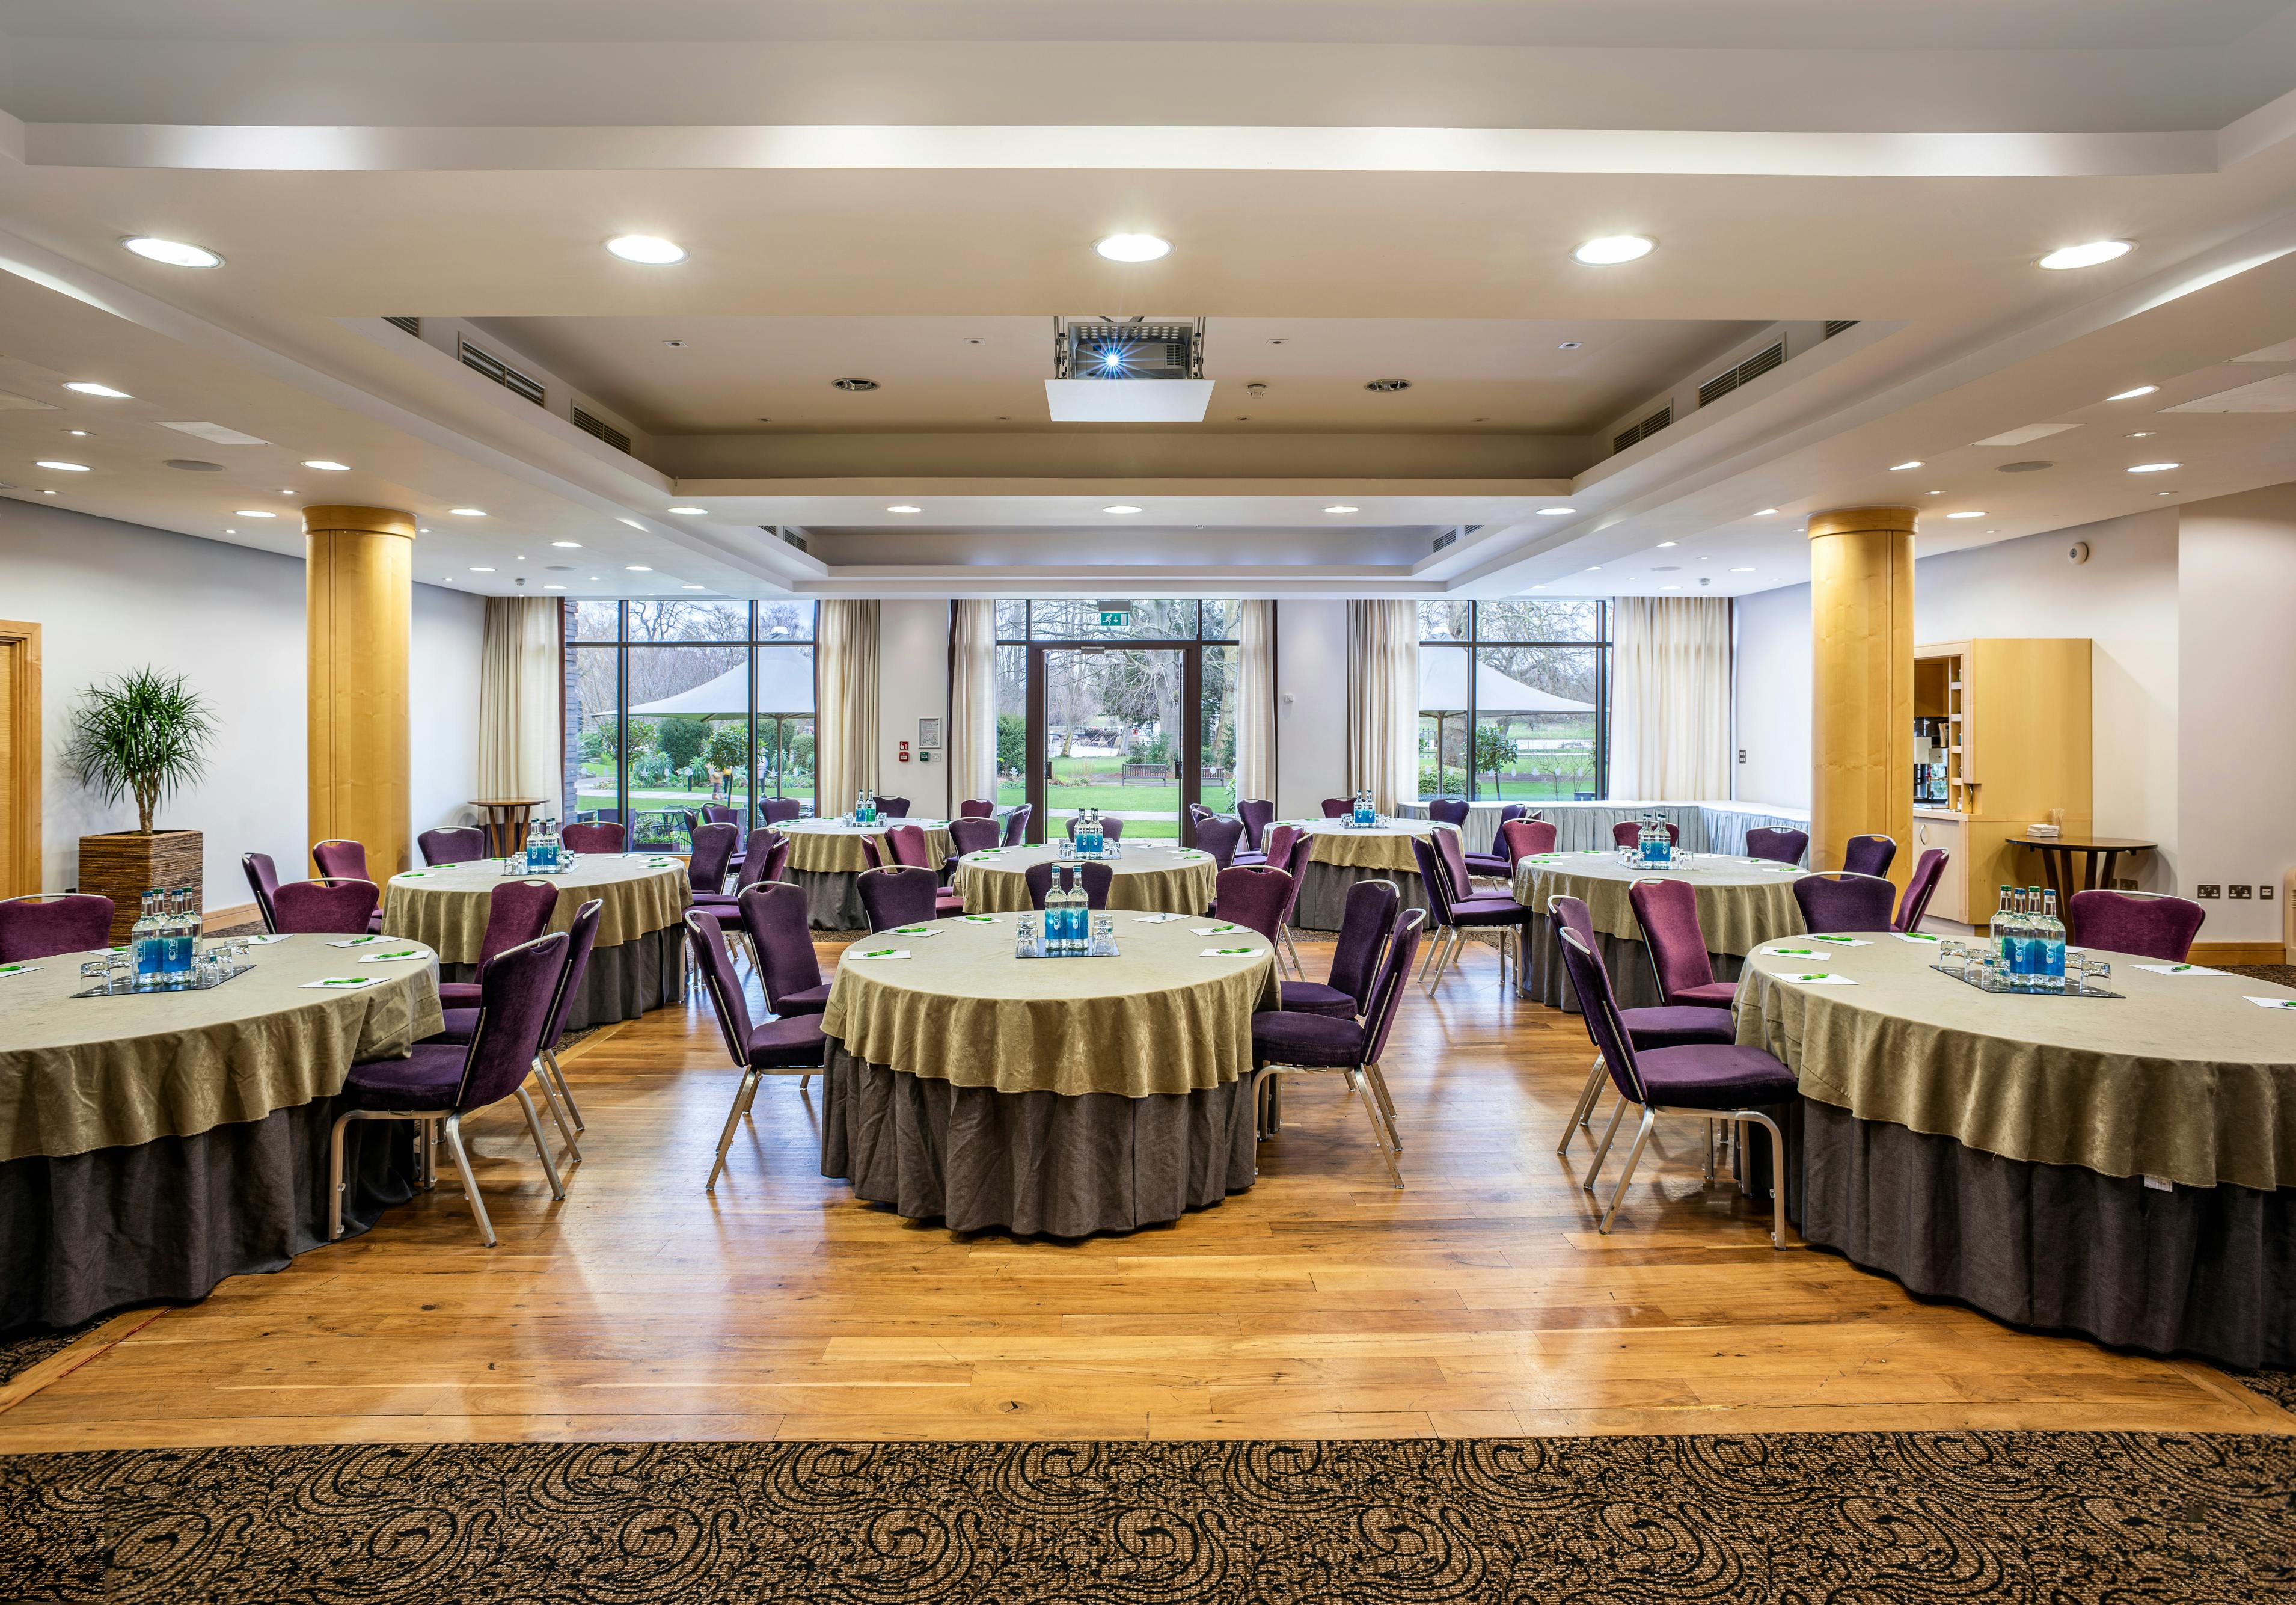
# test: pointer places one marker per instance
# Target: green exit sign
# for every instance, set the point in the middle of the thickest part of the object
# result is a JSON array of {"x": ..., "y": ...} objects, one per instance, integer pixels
[{"x": 1116, "y": 615}]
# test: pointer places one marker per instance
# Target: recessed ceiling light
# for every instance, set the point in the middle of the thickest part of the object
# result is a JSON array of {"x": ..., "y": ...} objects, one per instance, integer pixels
[
  {"x": 251, "y": 513},
  {"x": 650, "y": 249},
  {"x": 2154, "y": 467},
  {"x": 174, "y": 253},
  {"x": 75, "y": 431},
  {"x": 1670, "y": 588},
  {"x": 89, "y": 387},
  {"x": 903, "y": 507},
  {"x": 553, "y": 588},
  {"x": 1134, "y": 247},
  {"x": 1901, "y": 467},
  {"x": 633, "y": 523},
  {"x": 291, "y": 492},
  {"x": 1933, "y": 493},
  {"x": 692, "y": 587},
  {"x": 1764, "y": 512},
  {"x": 2089, "y": 255},
  {"x": 1608, "y": 249},
  {"x": 1555, "y": 512},
  {"x": 858, "y": 387},
  {"x": 568, "y": 545},
  {"x": 1342, "y": 507},
  {"x": 476, "y": 569},
  {"x": 1594, "y": 568},
  {"x": 421, "y": 530},
  {"x": 1570, "y": 345},
  {"x": 61, "y": 467},
  {"x": 325, "y": 466},
  {"x": 1742, "y": 571},
  {"x": 691, "y": 511},
  {"x": 674, "y": 345},
  {"x": 637, "y": 568},
  {"x": 2156, "y": 493},
  {"x": 1979, "y": 514},
  {"x": 2131, "y": 395},
  {"x": 468, "y": 512},
  {"x": 1668, "y": 543},
  {"x": 1120, "y": 509},
  {"x": 1386, "y": 386}
]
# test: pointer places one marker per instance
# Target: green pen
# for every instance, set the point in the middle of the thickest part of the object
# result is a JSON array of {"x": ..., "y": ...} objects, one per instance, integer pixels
[{"x": 1231, "y": 952}]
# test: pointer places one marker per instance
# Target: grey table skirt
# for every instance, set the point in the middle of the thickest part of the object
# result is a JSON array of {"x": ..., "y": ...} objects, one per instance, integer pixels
[
  {"x": 622, "y": 982},
  {"x": 977, "y": 1159},
  {"x": 2056, "y": 1247},
  {"x": 163, "y": 1221},
  {"x": 833, "y": 899},
  {"x": 1627, "y": 960},
  {"x": 1323, "y": 891}
]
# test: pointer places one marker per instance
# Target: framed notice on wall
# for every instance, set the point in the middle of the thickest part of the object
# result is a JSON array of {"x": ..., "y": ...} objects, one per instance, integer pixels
[{"x": 929, "y": 734}]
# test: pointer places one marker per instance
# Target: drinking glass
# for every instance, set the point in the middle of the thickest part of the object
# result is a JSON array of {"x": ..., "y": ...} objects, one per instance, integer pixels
[
  {"x": 2098, "y": 977},
  {"x": 1953, "y": 958},
  {"x": 1065, "y": 848},
  {"x": 2076, "y": 961},
  {"x": 122, "y": 971},
  {"x": 1990, "y": 974},
  {"x": 97, "y": 973},
  {"x": 1024, "y": 941}
]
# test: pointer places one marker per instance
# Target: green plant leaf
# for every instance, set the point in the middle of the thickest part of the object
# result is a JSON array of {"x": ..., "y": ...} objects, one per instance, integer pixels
[{"x": 144, "y": 734}]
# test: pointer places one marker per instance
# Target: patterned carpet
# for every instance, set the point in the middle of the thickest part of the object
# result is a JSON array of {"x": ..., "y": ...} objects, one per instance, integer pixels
[{"x": 1849, "y": 1519}]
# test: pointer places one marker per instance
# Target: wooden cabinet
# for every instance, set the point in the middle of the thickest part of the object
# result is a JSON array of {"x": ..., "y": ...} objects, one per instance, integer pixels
[{"x": 2018, "y": 744}]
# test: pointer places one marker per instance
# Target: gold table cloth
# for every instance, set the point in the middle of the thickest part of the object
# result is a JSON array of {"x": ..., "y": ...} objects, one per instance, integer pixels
[
  {"x": 446, "y": 907},
  {"x": 1385, "y": 846},
  {"x": 1741, "y": 902},
  {"x": 82, "y": 1073},
  {"x": 1150, "y": 877},
  {"x": 825, "y": 847}
]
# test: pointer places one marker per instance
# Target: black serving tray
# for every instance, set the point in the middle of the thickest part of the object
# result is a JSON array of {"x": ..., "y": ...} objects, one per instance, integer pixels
[
  {"x": 161, "y": 992},
  {"x": 1965, "y": 981}
]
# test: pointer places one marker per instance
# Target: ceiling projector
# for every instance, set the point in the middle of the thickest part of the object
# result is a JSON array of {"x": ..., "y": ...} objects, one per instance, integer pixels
[{"x": 1127, "y": 370}]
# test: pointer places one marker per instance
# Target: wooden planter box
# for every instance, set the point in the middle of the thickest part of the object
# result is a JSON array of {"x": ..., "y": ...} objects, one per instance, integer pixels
[{"x": 125, "y": 864}]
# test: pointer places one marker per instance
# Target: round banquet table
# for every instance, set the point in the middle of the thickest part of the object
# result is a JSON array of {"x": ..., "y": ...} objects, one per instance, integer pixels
[
  {"x": 1067, "y": 1095},
  {"x": 153, "y": 1144},
  {"x": 1153, "y": 877},
  {"x": 825, "y": 859},
  {"x": 639, "y": 961},
  {"x": 1344, "y": 854},
  {"x": 2124, "y": 1167},
  {"x": 1741, "y": 903}
]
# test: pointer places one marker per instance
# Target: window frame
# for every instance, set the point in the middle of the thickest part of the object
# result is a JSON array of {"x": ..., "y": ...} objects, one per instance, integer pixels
[{"x": 1600, "y": 643}]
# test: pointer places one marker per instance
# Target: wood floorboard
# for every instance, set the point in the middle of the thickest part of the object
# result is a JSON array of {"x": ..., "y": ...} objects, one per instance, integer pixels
[{"x": 1481, "y": 1301}]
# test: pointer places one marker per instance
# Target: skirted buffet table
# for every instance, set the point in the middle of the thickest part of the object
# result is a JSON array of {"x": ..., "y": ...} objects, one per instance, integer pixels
[
  {"x": 825, "y": 859},
  {"x": 1153, "y": 877},
  {"x": 1741, "y": 903}
]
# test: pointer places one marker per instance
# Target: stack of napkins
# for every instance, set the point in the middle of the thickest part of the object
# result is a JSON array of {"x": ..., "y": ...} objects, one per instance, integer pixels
[{"x": 2042, "y": 833}]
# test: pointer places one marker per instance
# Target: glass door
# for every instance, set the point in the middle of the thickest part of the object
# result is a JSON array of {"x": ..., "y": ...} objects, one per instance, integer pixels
[{"x": 1118, "y": 729}]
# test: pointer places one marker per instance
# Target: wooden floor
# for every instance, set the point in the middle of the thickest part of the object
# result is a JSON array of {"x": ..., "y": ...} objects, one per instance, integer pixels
[{"x": 1481, "y": 1301}]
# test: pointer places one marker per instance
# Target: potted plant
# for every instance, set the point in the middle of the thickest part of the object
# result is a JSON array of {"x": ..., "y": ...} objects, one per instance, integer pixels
[{"x": 144, "y": 734}]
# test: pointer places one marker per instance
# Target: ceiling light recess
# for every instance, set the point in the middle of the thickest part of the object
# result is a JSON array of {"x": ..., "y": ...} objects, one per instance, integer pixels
[
  {"x": 251, "y": 513},
  {"x": 1901, "y": 467},
  {"x": 2131, "y": 395},
  {"x": 1608, "y": 250},
  {"x": 570, "y": 545},
  {"x": 61, "y": 467},
  {"x": 468, "y": 512},
  {"x": 691, "y": 511},
  {"x": 325, "y": 466},
  {"x": 2089, "y": 255},
  {"x": 903, "y": 507},
  {"x": 1134, "y": 247},
  {"x": 1556, "y": 512},
  {"x": 89, "y": 387},
  {"x": 637, "y": 568},
  {"x": 651, "y": 250},
  {"x": 174, "y": 253},
  {"x": 2154, "y": 467},
  {"x": 1341, "y": 508},
  {"x": 1120, "y": 509},
  {"x": 1979, "y": 513}
]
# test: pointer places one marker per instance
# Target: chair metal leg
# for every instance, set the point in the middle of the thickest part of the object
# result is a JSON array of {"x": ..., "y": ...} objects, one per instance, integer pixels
[
  {"x": 742, "y": 1097},
  {"x": 1709, "y": 1150},
  {"x": 1284, "y": 941},
  {"x": 1378, "y": 1079},
  {"x": 1584, "y": 1109},
  {"x": 803, "y": 1081},
  {"x": 541, "y": 1144},
  {"x": 1634, "y": 1157},
  {"x": 1778, "y": 1176},
  {"x": 557, "y": 1114},
  {"x": 1603, "y": 1150},
  {"x": 335, "y": 1177},
  {"x": 1379, "y": 1137},
  {"x": 565, "y": 1092},
  {"x": 454, "y": 1135}
]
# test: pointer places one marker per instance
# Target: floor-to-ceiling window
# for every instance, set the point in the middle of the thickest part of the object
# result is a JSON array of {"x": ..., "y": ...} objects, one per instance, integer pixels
[
  {"x": 1124, "y": 707},
  {"x": 676, "y": 706},
  {"x": 1515, "y": 700}
]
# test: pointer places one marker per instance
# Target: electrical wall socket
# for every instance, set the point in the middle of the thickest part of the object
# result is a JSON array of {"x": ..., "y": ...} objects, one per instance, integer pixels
[
  {"x": 2239, "y": 893},
  {"x": 2209, "y": 889},
  {"x": 2264, "y": 892}
]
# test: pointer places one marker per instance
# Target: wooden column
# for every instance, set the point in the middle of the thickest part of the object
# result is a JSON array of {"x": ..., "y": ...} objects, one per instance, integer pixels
[
  {"x": 1861, "y": 574},
  {"x": 360, "y": 587}
]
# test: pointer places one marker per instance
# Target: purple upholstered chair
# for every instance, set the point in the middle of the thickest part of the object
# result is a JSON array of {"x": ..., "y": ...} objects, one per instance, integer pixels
[
  {"x": 789, "y": 1045},
  {"x": 1447, "y": 810},
  {"x": 342, "y": 908},
  {"x": 780, "y": 810},
  {"x": 1920, "y": 886},
  {"x": 1337, "y": 808},
  {"x": 971, "y": 832},
  {"x": 1365, "y": 927},
  {"x": 976, "y": 807},
  {"x": 1628, "y": 833},
  {"x": 1517, "y": 837},
  {"x": 892, "y": 808},
  {"x": 339, "y": 860},
  {"x": 898, "y": 895},
  {"x": 2134, "y": 922},
  {"x": 517, "y": 913},
  {"x": 1667, "y": 912},
  {"x": 40, "y": 926},
  {"x": 1714, "y": 1081},
  {"x": 1841, "y": 902},
  {"x": 1095, "y": 878},
  {"x": 764, "y": 857},
  {"x": 1285, "y": 1043},
  {"x": 1219, "y": 835},
  {"x": 1110, "y": 827},
  {"x": 909, "y": 850},
  {"x": 721, "y": 814},
  {"x": 462, "y": 1024},
  {"x": 438, "y": 1083},
  {"x": 1778, "y": 846},
  {"x": 467, "y": 844},
  {"x": 1258, "y": 813},
  {"x": 1299, "y": 847},
  {"x": 1454, "y": 913},
  {"x": 1016, "y": 824},
  {"x": 713, "y": 850},
  {"x": 773, "y": 916},
  {"x": 1254, "y": 895},
  {"x": 1868, "y": 854},
  {"x": 597, "y": 837},
  {"x": 870, "y": 859},
  {"x": 263, "y": 880},
  {"x": 1498, "y": 864},
  {"x": 1659, "y": 1027}
]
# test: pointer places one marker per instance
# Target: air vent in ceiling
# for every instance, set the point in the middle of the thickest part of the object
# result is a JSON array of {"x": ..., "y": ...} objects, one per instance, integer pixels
[
  {"x": 604, "y": 430},
  {"x": 1839, "y": 326},
  {"x": 1643, "y": 431},
  {"x": 1386, "y": 386},
  {"x": 494, "y": 368},
  {"x": 413, "y": 325},
  {"x": 1761, "y": 362},
  {"x": 1446, "y": 539},
  {"x": 791, "y": 535}
]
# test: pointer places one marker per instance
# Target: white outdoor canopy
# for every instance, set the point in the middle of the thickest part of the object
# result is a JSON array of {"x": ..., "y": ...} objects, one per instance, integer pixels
[
  {"x": 1443, "y": 689},
  {"x": 784, "y": 686}
]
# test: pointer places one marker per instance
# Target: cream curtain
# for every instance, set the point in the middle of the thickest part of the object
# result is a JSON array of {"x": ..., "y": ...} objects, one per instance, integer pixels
[
  {"x": 972, "y": 703},
  {"x": 847, "y": 730},
  {"x": 1384, "y": 701},
  {"x": 1254, "y": 704},
  {"x": 1671, "y": 699},
  {"x": 521, "y": 743}
]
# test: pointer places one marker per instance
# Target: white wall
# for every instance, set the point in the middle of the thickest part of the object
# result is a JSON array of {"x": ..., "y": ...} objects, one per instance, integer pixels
[
  {"x": 109, "y": 596},
  {"x": 1772, "y": 668},
  {"x": 445, "y": 645},
  {"x": 1311, "y": 705},
  {"x": 912, "y": 684},
  {"x": 2236, "y": 744}
]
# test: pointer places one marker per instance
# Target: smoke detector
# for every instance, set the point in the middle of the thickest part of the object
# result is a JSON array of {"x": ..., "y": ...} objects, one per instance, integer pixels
[{"x": 1256, "y": 390}]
